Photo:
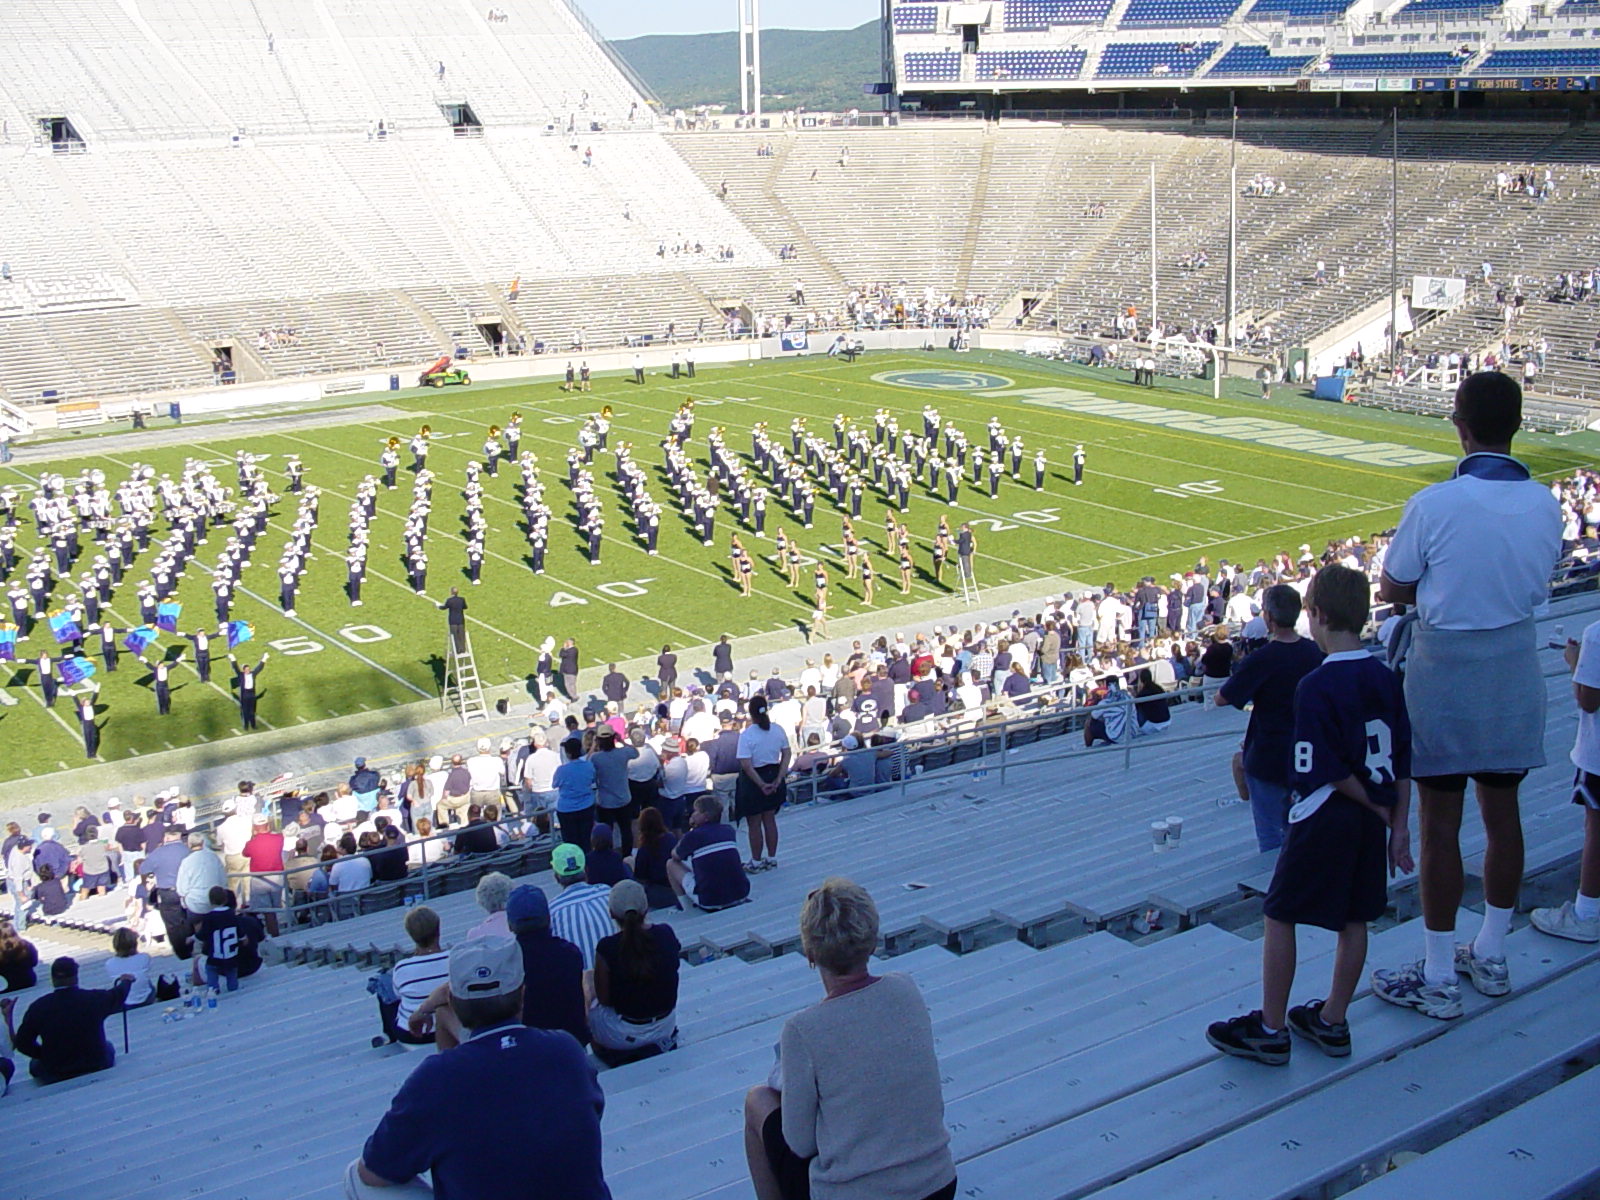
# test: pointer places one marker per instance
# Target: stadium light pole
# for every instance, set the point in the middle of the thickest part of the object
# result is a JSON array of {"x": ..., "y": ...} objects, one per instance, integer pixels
[
  {"x": 749, "y": 25},
  {"x": 1233, "y": 227},
  {"x": 1153, "y": 298},
  {"x": 1394, "y": 245}
]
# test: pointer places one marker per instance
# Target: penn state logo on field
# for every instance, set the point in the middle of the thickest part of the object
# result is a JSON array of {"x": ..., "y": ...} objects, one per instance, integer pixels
[{"x": 944, "y": 380}]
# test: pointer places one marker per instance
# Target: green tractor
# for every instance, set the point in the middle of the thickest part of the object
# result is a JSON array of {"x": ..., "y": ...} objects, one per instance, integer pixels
[{"x": 444, "y": 372}]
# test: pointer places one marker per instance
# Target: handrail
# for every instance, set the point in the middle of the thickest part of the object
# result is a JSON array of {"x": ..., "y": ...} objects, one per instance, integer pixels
[{"x": 902, "y": 752}]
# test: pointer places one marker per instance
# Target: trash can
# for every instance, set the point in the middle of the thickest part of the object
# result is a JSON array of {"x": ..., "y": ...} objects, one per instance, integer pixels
[{"x": 394, "y": 383}]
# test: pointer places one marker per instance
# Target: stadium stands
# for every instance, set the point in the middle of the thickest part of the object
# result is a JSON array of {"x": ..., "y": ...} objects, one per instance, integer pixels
[
  {"x": 1042, "y": 14},
  {"x": 1524, "y": 61},
  {"x": 1187, "y": 13},
  {"x": 1428, "y": 9},
  {"x": 1030, "y": 64},
  {"x": 1137, "y": 60},
  {"x": 932, "y": 66},
  {"x": 1257, "y": 60},
  {"x": 1432, "y": 62},
  {"x": 916, "y": 18},
  {"x": 1298, "y": 10}
]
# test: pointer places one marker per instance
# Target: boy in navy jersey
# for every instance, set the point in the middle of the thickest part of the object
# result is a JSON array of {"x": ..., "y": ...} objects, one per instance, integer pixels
[{"x": 1347, "y": 832}]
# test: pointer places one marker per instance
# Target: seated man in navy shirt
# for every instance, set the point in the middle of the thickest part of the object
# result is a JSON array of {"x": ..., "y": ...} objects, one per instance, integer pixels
[
  {"x": 542, "y": 1085},
  {"x": 61, "y": 1032},
  {"x": 705, "y": 868}
]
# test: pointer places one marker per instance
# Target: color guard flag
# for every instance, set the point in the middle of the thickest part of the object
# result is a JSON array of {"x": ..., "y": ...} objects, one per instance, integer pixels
[
  {"x": 139, "y": 640},
  {"x": 8, "y": 642},
  {"x": 65, "y": 628},
  {"x": 167, "y": 614},
  {"x": 75, "y": 670},
  {"x": 239, "y": 632}
]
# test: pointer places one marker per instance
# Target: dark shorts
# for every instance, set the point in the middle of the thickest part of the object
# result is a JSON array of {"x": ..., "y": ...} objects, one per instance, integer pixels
[
  {"x": 752, "y": 802},
  {"x": 794, "y": 1173},
  {"x": 1586, "y": 790},
  {"x": 1333, "y": 868},
  {"x": 1458, "y": 783}
]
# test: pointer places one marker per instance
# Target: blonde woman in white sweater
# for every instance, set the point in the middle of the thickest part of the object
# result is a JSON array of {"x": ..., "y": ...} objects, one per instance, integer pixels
[{"x": 853, "y": 1110}]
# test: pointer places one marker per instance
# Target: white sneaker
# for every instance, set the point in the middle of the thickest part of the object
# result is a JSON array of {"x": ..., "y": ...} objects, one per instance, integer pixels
[
  {"x": 1407, "y": 987},
  {"x": 1489, "y": 976},
  {"x": 1564, "y": 922}
]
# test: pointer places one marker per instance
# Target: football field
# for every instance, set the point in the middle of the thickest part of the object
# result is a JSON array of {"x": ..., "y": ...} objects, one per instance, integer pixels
[{"x": 1171, "y": 475}]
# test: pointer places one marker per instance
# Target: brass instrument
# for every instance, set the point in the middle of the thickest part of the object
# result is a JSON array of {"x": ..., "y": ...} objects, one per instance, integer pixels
[{"x": 494, "y": 431}]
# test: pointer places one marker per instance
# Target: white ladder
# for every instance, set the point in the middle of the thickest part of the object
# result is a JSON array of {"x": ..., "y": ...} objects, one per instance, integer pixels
[
  {"x": 462, "y": 690},
  {"x": 969, "y": 584}
]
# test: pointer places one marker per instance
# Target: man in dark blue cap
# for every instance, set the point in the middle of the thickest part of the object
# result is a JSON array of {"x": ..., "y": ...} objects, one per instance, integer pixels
[{"x": 553, "y": 998}]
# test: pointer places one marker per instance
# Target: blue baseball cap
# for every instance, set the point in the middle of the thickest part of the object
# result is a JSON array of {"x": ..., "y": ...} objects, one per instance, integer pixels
[{"x": 527, "y": 905}]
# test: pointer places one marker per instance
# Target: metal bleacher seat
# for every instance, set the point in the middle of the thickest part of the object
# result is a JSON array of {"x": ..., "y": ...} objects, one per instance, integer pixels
[
  {"x": 1528, "y": 1151},
  {"x": 1333, "y": 1131},
  {"x": 1156, "y": 1096}
]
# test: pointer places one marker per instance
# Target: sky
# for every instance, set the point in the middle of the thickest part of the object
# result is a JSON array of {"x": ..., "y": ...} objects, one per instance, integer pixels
[{"x": 619, "y": 19}]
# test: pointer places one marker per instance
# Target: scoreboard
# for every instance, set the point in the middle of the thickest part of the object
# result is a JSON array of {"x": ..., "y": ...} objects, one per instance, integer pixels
[{"x": 1513, "y": 83}]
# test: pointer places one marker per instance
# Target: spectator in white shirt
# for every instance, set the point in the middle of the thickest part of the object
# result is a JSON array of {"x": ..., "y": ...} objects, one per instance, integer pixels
[
  {"x": 127, "y": 959},
  {"x": 1241, "y": 608},
  {"x": 487, "y": 772},
  {"x": 233, "y": 833},
  {"x": 699, "y": 723},
  {"x": 199, "y": 872},
  {"x": 434, "y": 779},
  {"x": 352, "y": 871},
  {"x": 539, "y": 773},
  {"x": 425, "y": 847}
]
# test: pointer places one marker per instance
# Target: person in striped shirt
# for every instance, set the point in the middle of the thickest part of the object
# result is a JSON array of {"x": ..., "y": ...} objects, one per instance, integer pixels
[
  {"x": 414, "y": 979},
  {"x": 581, "y": 914}
]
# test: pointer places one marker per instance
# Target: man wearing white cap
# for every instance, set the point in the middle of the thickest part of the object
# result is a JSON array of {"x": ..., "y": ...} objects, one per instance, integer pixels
[{"x": 542, "y": 1083}]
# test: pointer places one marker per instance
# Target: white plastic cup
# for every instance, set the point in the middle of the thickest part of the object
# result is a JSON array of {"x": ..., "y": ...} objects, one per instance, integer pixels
[
  {"x": 1558, "y": 639},
  {"x": 1158, "y": 836},
  {"x": 1174, "y": 831}
]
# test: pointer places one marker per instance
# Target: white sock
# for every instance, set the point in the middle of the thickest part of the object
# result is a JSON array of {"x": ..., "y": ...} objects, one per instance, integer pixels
[
  {"x": 1491, "y": 939},
  {"x": 1439, "y": 965},
  {"x": 1586, "y": 908}
]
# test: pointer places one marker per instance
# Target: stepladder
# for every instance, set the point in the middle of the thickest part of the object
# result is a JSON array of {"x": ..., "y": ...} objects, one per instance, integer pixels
[
  {"x": 969, "y": 581},
  {"x": 463, "y": 691}
]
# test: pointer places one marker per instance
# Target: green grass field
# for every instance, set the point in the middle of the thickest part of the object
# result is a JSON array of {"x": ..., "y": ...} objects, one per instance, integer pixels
[{"x": 1155, "y": 498}]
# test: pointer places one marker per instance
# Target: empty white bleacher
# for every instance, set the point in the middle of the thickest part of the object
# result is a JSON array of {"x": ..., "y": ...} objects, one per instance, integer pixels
[{"x": 1536, "y": 1149}]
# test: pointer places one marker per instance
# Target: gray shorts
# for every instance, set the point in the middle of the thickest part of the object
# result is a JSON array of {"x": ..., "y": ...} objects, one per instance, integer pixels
[{"x": 1476, "y": 699}]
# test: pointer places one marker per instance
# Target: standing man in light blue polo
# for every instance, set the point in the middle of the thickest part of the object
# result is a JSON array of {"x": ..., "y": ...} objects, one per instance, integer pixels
[{"x": 1474, "y": 554}]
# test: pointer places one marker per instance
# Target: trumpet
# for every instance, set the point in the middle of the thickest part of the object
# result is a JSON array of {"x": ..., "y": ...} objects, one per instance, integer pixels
[
  {"x": 606, "y": 412},
  {"x": 494, "y": 431},
  {"x": 516, "y": 416},
  {"x": 426, "y": 431},
  {"x": 393, "y": 443}
]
